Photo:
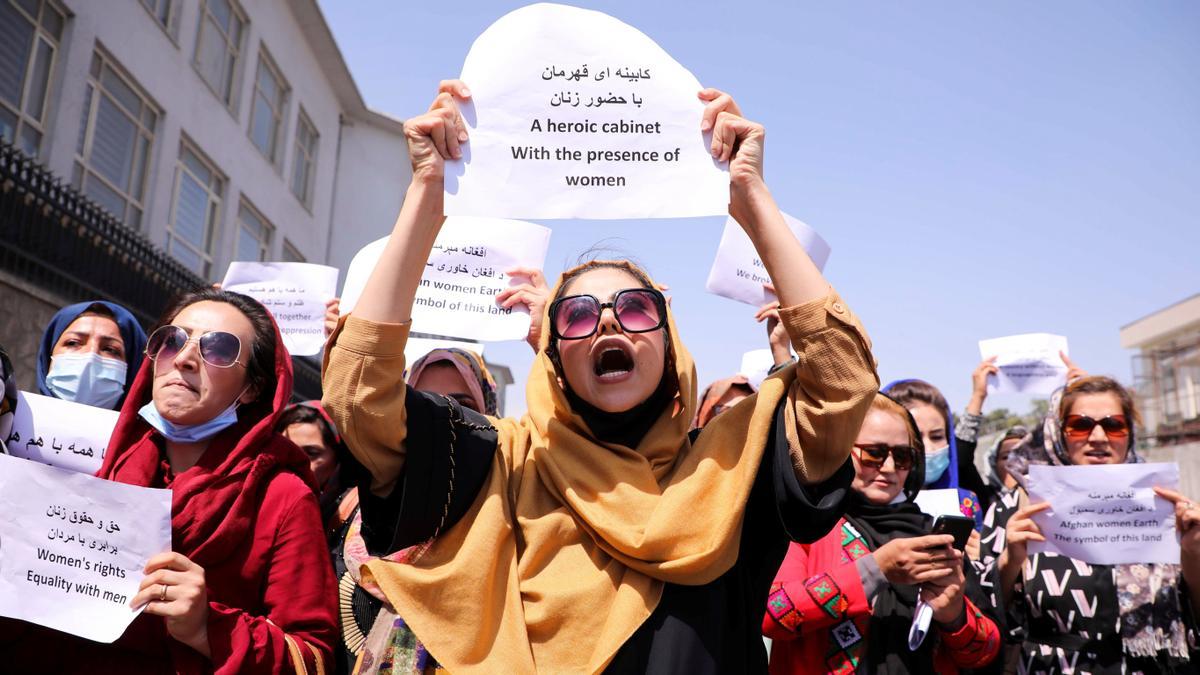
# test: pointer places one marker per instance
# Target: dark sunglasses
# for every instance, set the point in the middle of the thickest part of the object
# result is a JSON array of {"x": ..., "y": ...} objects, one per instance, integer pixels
[
  {"x": 1079, "y": 427},
  {"x": 217, "y": 348},
  {"x": 875, "y": 454},
  {"x": 638, "y": 310}
]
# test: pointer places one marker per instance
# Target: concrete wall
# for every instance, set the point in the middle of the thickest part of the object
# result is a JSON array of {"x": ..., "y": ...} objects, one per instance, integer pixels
[
  {"x": 1188, "y": 457},
  {"x": 373, "y": 175},
  {"x": 162, "y": 67},
  {"x": 26, "y": 310}
]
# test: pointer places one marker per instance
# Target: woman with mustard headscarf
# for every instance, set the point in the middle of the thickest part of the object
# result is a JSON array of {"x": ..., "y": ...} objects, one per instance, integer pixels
[{"x": 595, "y": 533}]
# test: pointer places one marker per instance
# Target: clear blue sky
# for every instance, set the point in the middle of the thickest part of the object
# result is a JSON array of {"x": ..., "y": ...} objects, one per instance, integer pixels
[{"x": 980, "y": 169}]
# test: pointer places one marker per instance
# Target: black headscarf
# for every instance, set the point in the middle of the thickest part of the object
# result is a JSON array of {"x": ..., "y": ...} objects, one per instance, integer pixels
[{"x": 892, "y": 613}]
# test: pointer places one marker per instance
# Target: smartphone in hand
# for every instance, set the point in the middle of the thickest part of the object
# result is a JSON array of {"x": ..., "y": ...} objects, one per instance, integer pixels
[{"x": 959, "y": 527}]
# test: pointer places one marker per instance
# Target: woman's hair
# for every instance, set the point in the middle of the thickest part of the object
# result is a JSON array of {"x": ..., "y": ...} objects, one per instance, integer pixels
[
  {"x": 1097, "y": 384},
  {"x": 629, "y": 267},
  {"x": 99, "y": 310},
  {"x": 908, "y": 392},
  {"x": 306, "y": 414},
  {"x": 887, "y": 405},
  {"x": 260, "y": 367}
]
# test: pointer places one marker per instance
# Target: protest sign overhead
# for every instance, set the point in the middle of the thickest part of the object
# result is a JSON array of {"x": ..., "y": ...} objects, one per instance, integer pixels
[
  {"x": 294, "y": 293},
  {"x": 467, "y": 267},
  {"x": 574, "y": 114},
  {"x": 737, "y": 272},
  {"x": 1029, "y": 364}
]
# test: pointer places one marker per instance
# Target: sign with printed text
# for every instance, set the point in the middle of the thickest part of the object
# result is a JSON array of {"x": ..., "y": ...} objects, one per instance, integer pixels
[
  {"x": 73, "y": 547},
  {"x": 737, "y": 272},
  {"x": 467, "y": 267},
  {"x": 1029, "y": 364},
  {"x": 574, "y": 114},
  {"x": 294, "y": 293},
  {"x": 60, "y": 433},
  {"x": 1106, "y": 514}
]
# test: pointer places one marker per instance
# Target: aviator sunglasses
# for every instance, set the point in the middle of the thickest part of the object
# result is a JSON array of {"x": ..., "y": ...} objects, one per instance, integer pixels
[
  {"x": 217, "y": 348},
  {"x": 873, "y": 455},
  {"x": 638, "y": 310},
  {"x": 1079, "y": 427}
]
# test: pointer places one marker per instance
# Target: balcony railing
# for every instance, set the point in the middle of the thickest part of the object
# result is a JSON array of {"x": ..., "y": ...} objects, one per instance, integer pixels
[{"x": 57, "y": 239}]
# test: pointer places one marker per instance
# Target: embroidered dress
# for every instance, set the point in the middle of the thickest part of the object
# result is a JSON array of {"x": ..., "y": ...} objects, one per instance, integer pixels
[{"x": 819, "y": 607}]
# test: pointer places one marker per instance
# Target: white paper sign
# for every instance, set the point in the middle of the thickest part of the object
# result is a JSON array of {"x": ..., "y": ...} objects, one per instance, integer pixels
[
  {"x": 466, "y": 269},
  {"x": 416, "y": 347},
  {"x": 73, "y": 547},
  {"x": 294, "y": 293},
  {"x": 737, "y": 272},
  {"x": 574, "y": 114},
  {"x": 756, "y": 366},
  {"x": 1029, "y": 364},
  {"x": 60, "y": 433},
  {"x": 1106, "y": 514},
  {"x": 941, "y": 502}
]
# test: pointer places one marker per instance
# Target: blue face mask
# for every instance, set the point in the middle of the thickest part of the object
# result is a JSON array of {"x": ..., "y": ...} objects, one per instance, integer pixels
[
  {"x": 87, "y": 378},
  {"x": 194, "y": 433},
  {"x": 936, "y": 463}
]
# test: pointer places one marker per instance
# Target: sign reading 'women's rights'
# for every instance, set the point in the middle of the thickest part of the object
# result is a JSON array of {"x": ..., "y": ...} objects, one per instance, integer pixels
[
  {"x": 1106, "y": 514},
  {"x": 73, "y": 547},
  {"x": 467, "y": 267},
  {"x": 738, "y": 273},
  {"x": 574, "y": 114}
]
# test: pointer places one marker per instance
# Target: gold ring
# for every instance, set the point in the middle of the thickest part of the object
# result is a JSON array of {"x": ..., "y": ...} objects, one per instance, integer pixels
[{"x": 162, "y": 597}]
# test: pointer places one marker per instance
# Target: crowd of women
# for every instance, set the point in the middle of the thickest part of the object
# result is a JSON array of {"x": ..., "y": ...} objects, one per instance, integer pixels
[{"x": 625, "y": 523}]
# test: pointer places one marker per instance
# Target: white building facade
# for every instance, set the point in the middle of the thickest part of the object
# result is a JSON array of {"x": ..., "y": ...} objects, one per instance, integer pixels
[{"x": 220, "y": 130}]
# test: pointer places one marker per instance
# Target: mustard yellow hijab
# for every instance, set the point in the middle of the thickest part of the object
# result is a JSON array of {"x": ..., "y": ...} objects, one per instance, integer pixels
[{"x": 566, "y": 549}]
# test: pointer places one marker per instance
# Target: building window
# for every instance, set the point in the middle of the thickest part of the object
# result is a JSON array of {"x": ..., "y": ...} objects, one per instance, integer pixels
[
  {"x": 219, "y": 47},
  {"x": 196, "y": 212},
  {"x": 253, "y": 234},
  {"x": 304, "y": 159},
  {"x": 115, "y": 139},
  {"x": 29, "y": 35},
  {"x": 266, "y": 114},
  {"x": 164, "y": 13},
  {"x": 291, "y": 253}
]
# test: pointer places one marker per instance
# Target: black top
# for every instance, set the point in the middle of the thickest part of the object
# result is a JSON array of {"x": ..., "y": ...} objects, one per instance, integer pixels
[{"x": 713, "y": 628}]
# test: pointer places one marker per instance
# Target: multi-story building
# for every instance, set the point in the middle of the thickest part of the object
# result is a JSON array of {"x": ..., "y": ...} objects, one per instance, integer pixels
[
  {"x": 1166, "y": 373},
  {"x": 220, "y": 130},
  {"x": 210, "y": 131}
]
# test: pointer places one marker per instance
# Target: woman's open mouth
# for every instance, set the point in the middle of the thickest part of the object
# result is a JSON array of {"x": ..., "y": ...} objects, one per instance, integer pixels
[{"x": 612, "y": 363}]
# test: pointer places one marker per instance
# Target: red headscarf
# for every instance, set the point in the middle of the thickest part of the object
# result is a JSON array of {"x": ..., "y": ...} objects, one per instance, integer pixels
[{"x": 213, "y": 504}]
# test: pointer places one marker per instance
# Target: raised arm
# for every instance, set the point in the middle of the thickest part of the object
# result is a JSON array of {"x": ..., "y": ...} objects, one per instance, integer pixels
[
  {"x": 835, "y": 372},
  {"x": 363, "y": 374}
]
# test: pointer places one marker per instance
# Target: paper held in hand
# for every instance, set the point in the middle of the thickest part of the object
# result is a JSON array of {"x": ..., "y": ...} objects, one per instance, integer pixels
[
  {"x": 1106, "y": 514},
  {"x": 1029, "y": 363},
  {"x": 294, "y": 293},
  {"x": 60, "y": 433},
  {"x": 466, "y": 269},
  {"x": 737, "y": 272},
  {"x": 73, "y": 547},
  {"x": 574, "y": 114}
]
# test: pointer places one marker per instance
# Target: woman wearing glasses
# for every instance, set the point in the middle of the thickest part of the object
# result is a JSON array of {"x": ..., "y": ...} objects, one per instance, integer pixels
[
  {"x": 846, "y": 602},
  {"x": 595, "y": 533},
  {"x": 247, "y": 586},
  {"x": 1135, "y": 618}
]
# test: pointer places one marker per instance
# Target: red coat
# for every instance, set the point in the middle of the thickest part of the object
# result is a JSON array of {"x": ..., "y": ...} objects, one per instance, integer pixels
[
  {"x": 817, "y": 613},
  {"x": 247, "y": 513}
]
